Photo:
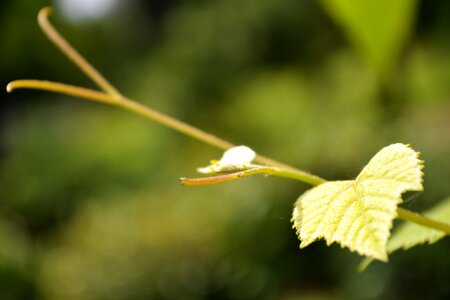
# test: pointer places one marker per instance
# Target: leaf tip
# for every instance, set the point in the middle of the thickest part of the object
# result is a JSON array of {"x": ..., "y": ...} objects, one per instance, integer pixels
[
  {"x": 364, "y": 264},
  {"x": 305, "y": 243},
  {"x": 382, "y": 256}
]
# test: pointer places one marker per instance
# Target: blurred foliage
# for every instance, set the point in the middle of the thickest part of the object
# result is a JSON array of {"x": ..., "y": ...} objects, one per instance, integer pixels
[
  {"x": 90, "y": 203},
  {"x": 45, "y": 170},
  {"x": 378, "y": 29},
  {"x": 176, "y": 256}
]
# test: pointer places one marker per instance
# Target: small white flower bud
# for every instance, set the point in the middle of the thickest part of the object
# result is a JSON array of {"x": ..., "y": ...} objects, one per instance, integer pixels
[{"x": 234, "y": 159}]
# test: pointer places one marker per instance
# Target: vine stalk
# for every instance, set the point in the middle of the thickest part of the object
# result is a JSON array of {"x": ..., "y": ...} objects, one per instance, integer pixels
[{"x": 113, "y": 97}]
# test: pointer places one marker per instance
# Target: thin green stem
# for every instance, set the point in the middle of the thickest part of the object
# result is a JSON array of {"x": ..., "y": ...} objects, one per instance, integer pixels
[
  {"x": 124, "y": 103},
  {"x": 422, "y": 220},
  {"x": 158, "y": 117}
]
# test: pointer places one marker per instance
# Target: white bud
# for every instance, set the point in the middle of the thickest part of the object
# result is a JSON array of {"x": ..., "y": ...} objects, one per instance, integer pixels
[{"x": 234, "y": 159}]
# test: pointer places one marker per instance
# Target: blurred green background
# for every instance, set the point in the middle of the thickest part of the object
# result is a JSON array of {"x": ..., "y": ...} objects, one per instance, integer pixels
[{"x": 90, "y": 204}]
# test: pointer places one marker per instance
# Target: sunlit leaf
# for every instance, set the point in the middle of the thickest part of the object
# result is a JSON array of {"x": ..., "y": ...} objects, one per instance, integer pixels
[
  {"x": 377, "y": 28},
  {"x": 358, "y": 213}
]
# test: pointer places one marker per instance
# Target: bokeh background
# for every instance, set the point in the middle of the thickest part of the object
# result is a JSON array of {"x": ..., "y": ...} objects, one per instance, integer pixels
[{"x": 90, "y": 204}]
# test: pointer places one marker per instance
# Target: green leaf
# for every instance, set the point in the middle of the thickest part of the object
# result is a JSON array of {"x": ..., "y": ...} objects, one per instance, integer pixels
[
  {"x": 409, "y": 234},
  {"x": 358, "y": 213},
  {"x": 378, "y": 29}
]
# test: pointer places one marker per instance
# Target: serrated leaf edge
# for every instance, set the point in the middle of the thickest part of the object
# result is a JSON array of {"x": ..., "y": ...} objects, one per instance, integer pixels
[{"x": 382, "y": 254}]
